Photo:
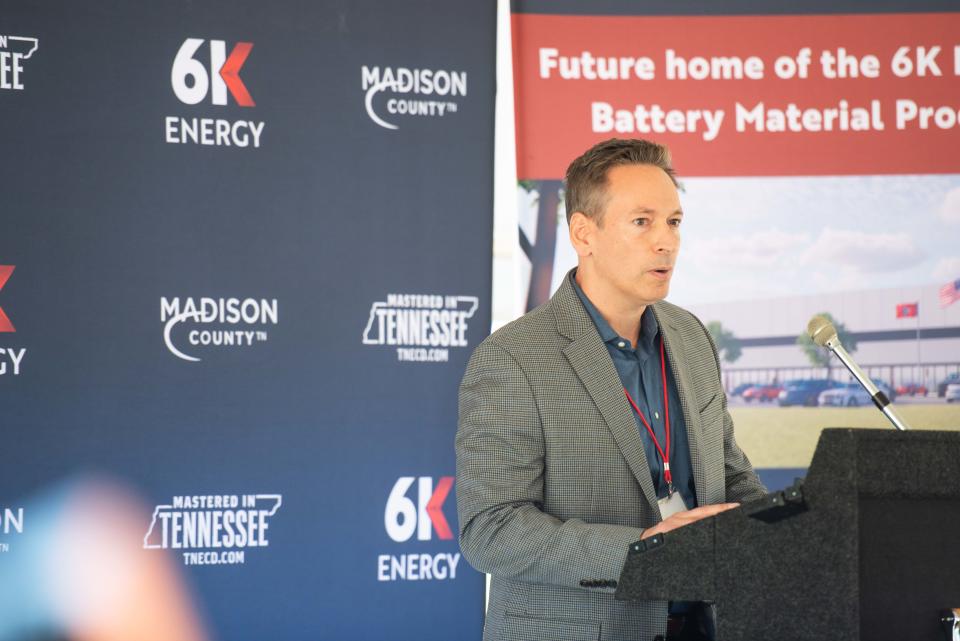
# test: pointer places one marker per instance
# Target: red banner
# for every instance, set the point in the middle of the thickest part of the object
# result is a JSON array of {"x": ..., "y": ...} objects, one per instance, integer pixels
[{"x": 743, "y": 95}]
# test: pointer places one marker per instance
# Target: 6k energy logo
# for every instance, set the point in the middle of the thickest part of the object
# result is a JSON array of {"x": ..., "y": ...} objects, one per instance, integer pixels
[
  {"x": 403, "y": 518},
  {"x": 194, "y": 79},
  {"x": 10, "y": 357}
]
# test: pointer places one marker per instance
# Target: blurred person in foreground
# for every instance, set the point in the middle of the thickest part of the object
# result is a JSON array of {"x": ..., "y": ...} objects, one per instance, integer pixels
[
  {"x": 596, "y": 420},
  {"x": 80, "y": 573}
]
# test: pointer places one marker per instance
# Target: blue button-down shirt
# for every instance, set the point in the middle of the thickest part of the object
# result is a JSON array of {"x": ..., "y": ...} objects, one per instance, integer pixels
[{"x": 640, "y": 373}]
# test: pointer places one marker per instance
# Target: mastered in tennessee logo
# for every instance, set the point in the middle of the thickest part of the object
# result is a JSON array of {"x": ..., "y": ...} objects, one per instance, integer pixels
[
  {"x": 215, "y": 323},
  {"x": 422, "y": 326},
  {"x": 13, "y": 51},
  {"x": 213, "y": 529},
  {"x": 398, "y": 92}
]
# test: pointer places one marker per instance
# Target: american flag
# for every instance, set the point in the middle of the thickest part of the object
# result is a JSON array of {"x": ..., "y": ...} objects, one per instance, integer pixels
[{"x": 950, "y": 293}]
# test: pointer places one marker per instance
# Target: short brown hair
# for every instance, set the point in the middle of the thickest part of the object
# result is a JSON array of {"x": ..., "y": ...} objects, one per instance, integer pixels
[{"x": 586, "y": 179}]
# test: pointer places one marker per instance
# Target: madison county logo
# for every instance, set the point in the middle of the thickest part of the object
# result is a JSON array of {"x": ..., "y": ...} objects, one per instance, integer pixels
[
  {"x": 422, "y": 327},
  {"x": 213, "y": 529},
  {"x": 10, "y": 357},
  {"x": 207, "y": 72},
  {"x": 195, "y": 325},
  {"x": 418, "y": 518},
  {"x": 11, "y": 522},
  {"x": 13, "y": 51},
  {"x": 395, "y": 93}
]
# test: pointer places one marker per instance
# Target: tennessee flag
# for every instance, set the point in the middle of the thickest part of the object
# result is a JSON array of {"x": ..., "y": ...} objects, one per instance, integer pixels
[{"x": 908, "y": 310}]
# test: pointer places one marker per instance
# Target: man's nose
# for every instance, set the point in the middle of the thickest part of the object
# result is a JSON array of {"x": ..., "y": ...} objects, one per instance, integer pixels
[{"x": 666, "y": 240}]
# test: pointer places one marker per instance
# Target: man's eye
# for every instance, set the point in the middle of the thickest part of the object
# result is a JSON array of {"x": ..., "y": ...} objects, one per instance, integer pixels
[
  {"x": 676, "y": 221},
  {"x": 640, "y": 221}
]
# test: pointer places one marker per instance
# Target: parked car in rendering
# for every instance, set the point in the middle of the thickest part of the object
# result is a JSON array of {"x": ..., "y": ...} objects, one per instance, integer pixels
[
  {"x": 804, "y": 391},
  {"x": 942, "y": 385},
  {"x": 912, "y": 389},
  {"x": 741, "y": 388},
  {"x": 850, "y": 395},
  {"x": 762, "y": 393},
  {"x": 952, "y": 392}
]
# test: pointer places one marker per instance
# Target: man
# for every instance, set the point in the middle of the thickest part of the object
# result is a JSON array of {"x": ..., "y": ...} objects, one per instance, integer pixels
[{"x": 565, "y": 414}]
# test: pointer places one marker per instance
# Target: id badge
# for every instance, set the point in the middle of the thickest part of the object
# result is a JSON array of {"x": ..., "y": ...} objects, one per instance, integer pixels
[{"x": 672, "y": 504}]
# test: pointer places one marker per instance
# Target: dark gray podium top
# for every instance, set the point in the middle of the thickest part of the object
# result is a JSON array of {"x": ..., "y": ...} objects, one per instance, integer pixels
[{"x": 866, "y": 547}]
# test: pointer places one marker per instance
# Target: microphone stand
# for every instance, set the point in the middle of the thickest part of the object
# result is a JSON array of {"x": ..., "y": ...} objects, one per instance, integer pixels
[{"x": 879, "y": 398}]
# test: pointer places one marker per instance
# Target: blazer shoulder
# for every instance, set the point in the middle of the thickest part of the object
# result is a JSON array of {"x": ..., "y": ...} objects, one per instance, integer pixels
[
  {"x": 691, "y": 328},
  {"x": 536, "y": 327},
  {"x": 682, "y": 319}
]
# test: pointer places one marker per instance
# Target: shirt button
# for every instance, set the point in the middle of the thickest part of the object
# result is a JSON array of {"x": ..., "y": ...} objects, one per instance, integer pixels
[
  {"x": 656, "y": 415},
  {"x": 621, "y": 344}
]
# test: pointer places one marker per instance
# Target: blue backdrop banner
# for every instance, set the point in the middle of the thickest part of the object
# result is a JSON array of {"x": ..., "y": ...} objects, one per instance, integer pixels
[{"x": 245, "y": 254}]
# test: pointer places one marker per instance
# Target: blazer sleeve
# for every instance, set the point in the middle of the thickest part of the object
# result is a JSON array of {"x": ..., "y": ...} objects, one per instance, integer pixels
[
  {"x": 742, "y": 483},
  {"x": 500, "y": 478}
]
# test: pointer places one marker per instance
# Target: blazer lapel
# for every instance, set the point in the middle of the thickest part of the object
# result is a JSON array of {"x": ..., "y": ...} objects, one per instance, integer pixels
[
  {"x": 590, "y": 360},
  {"x": 673, "y": 343}
]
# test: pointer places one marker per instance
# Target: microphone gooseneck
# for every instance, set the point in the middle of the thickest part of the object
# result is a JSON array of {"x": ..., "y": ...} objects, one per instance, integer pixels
[{"x": 824, "y": 334}]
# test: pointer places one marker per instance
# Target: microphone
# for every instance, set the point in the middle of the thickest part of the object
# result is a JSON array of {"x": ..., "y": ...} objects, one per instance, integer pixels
[{"x": 824, "y": 334}]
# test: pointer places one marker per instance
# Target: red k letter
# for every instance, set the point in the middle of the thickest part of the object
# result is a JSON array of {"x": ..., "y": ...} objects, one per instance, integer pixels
[
  {"x": 5, "y": 324},
  {"x": 230, "y": 72},
  {"x": 435, "y": 507}
]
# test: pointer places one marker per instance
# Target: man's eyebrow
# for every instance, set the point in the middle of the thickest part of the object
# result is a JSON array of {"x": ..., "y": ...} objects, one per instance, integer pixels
[{"x": 643, "y": 209}]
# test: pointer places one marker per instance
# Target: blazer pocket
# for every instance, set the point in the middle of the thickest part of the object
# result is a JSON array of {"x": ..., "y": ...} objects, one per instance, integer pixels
[
  {"x": 711, "y": 414},
  {"x": 527, "y": 629},
  {"x": 715, "y": 399}
]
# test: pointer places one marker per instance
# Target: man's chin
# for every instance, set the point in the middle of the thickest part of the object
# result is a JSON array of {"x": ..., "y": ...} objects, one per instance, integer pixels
[{"x": 654, "y": 293}]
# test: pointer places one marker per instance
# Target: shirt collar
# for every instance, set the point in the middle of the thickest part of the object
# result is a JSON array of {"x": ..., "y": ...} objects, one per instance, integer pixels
[{"x": 648, "y": 321}]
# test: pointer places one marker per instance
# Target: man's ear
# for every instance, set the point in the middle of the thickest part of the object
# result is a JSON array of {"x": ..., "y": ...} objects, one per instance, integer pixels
[{"x": 582, "y": 229}]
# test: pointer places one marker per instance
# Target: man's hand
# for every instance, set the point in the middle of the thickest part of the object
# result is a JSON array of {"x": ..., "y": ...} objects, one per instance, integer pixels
[{"x": 686, "y": 518}]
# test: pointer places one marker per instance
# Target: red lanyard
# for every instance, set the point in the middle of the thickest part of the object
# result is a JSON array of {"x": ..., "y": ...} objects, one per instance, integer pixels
[{"x": 664, "y": 456}]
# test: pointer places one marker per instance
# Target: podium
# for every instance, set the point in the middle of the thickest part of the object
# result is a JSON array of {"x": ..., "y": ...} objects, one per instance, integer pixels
[{"x": 867, "y": 547}]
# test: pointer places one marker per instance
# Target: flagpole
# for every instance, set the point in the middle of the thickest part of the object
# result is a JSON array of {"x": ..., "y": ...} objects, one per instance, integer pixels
[{"x": 919, "y": 357}]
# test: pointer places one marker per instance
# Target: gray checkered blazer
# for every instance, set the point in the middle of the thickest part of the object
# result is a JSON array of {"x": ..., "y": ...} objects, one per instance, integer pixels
[{"x": 552, "y": 481}]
